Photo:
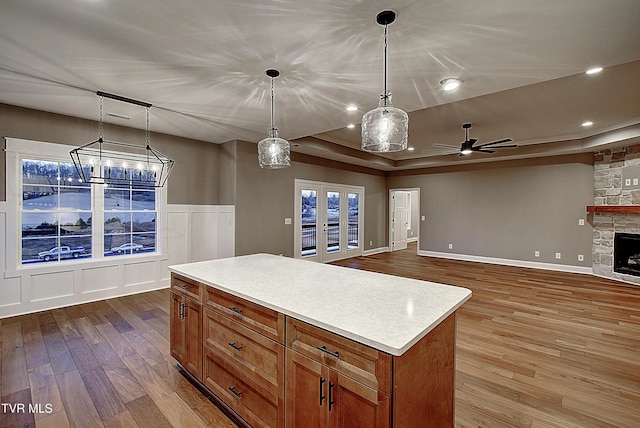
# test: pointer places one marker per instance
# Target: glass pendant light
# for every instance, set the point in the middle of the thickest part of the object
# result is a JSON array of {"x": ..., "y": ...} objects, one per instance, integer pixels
[
  {"x": 385, "y": 129},
  {"x": 273, "y": 151}
]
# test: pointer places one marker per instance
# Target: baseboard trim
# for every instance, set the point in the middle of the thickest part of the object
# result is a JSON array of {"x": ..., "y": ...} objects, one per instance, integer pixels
[
  {"x": 376, "y": 251},
  {"x": 508, "y": 262}
]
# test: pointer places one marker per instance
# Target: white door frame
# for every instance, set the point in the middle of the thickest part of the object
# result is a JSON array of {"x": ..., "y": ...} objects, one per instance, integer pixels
[
  {"x": 321, "y": 188},
  {"x": 413, "y": 202}
]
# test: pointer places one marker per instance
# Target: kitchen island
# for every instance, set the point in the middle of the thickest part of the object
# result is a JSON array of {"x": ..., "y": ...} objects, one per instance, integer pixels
[{"x": 287, "y": 342}]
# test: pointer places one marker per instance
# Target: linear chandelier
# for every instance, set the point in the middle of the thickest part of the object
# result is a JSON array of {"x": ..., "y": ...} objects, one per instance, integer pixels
[
  {"x": 110, "y": 162},
  {"x": 385, "y": 129},
  {"x": 273, "y": 151}
]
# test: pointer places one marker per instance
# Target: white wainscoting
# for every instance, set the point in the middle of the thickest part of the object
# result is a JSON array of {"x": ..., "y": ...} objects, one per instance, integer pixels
[{"x": 192, "y": 233}]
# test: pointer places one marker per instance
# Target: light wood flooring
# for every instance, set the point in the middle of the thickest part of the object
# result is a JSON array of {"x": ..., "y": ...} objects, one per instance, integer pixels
[{"x": 534, "y": 349}]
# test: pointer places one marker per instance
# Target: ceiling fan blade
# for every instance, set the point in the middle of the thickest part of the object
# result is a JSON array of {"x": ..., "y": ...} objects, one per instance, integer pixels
[
  {"x": 509, "y": 146},
  {"x": 446, "y": 146},
  {"x": 484, "y": 150},
  {"x": 506, "y": 140}
]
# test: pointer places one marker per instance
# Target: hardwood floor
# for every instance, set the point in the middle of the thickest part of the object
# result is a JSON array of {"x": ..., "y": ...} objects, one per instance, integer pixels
[
  {"x": 98, "y": 364},
  {"x": 534, "y": 349}
]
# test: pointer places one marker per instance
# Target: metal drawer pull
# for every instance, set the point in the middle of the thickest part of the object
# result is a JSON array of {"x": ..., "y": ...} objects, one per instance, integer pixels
[
  {"x": 322, "y": 397},
  {"x": 184, "y": 287},
  {"x": 234, "y": 346},
  {"x": 331, "y": 402},
  {"x": 323, "y": 348},
  {"x": 235, "y": 391},
  {"x": 236, "y": 310}
]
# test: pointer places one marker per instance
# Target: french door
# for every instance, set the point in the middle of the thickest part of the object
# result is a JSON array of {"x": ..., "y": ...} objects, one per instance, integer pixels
[{"x": 329, "y": 221}]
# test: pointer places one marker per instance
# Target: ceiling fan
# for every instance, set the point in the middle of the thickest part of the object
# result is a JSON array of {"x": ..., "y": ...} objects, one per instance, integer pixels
[{"x": 468, "y": 147}]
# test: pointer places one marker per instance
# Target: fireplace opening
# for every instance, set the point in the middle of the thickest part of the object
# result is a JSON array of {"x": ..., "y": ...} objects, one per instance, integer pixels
[{"x": 626, "y": 253}]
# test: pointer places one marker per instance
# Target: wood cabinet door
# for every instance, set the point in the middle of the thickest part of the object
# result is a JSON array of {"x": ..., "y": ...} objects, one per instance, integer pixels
[
  {"x": 355, "y": 405},
  {"x": 307, "y": 392},
  {"x": 193, "y": 338},
  {"x": 177, "y": 328}
]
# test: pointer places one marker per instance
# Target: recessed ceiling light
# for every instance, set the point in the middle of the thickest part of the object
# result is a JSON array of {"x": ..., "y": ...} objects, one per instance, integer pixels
[
  {"x": 450, "y": 83},
  {"x": 352, "y": 108},
  {"x": 594, "y": 70},
  {"x": 411, "y": 149},
  {"x": 351, "y": 126},
  {"x": 587, "y": 123}
]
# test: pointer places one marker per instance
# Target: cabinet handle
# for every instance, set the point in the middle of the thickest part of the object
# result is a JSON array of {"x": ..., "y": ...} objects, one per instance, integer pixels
[
  {"x": 234, "y": 346},
  {"x": 331, "y": 402},
  {"x": 322, "y": 397},
  {"x": 181, "y": 311},
  {"x": 323, "y": 348},
  {"x": 184, "y": 287},
  {"x": 236, "y": 310},
  {"x": 235, "y": 391}
]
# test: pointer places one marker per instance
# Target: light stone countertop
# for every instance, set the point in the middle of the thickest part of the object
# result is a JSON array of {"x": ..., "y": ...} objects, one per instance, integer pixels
[{"x": 386, "y": 312}]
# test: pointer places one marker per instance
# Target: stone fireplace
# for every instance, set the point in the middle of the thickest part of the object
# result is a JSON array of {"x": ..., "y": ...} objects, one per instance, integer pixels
[
  {"x": 616, "y": 212},
  {"x": 626, "y": 253}
]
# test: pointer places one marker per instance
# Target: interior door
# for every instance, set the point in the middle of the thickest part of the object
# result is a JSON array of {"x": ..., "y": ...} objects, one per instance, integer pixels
[{"x": 400, "y": 211}]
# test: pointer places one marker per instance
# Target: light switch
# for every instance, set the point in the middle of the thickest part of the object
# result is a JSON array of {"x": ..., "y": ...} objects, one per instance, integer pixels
[
  {"x": 635, "y": 181},
  {"x": 580, "y": 222},
  {"x": 287, "y": 220},
  {"x": 627, "y": 182}
]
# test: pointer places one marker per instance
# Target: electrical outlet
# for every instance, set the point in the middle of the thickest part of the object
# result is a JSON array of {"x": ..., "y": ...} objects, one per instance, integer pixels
[
  {"x": 423, "y": 218},
  {"x": 371, "y": 243},
  {"x": 580, "y": 258},
  {"x": 536, "y": 253},
  {"x": 558, "y": 256},
  {"x": 451, "y": 246},
  {"x": 580, "y": 222},
  {"x": 627, "y": 182},
  {"x": 635, "y": 181}
]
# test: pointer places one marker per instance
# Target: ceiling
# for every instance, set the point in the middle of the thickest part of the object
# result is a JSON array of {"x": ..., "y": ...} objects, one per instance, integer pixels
[{"x": 201, "y": 63}]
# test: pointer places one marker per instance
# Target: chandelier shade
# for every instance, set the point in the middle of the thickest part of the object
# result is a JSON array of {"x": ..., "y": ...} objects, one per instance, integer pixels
[
  {"x": 386, "y": 128},
  {"x": 273, "y": 151},
  {"x": 110, "y": 162}
]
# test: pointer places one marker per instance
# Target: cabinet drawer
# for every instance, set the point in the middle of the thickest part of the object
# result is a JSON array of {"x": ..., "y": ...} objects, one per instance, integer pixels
[
  {"x": 258, "y": 318},
  {"x": 251, "y": 352},
  {"x": 259, "y": 407},
  {"x": 186, "y": 286},
  {"x": 360, "y": 362}
]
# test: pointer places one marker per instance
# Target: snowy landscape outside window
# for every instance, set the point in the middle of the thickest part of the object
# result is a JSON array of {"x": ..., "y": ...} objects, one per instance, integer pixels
[
  {"x": 56, "y": 213},
  {"x": 129, "y": 219},
  {"x": 57, "y": 216}
]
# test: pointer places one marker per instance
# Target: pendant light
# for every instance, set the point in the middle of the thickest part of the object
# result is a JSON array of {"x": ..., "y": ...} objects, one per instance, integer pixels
[
  {"x": 273, "y": 151},
  {"x": 114, "y": 163},
  {"x": 385, "y": 129}
]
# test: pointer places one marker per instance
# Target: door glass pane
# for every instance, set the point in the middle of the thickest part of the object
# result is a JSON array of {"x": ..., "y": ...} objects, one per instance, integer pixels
[
  {"x": 333, "y": 222},
  {"x": 309, "y": 219},
  {"x": 353, "y": 235}
]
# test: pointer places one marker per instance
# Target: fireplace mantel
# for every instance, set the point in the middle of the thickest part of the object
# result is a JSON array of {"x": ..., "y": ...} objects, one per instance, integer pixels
[{"x": 621, "y": 209}]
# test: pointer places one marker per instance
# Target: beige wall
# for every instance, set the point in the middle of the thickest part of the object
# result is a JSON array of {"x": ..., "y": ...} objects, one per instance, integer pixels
[
  {"x": 507, "y": 209},
  {"x": 501, "y": 209},
  {"x": 264, "y": 198},
  {"x": 193, "y": 180}
]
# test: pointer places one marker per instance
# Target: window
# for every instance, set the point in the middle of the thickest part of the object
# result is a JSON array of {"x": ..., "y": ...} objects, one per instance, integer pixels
[
  {"x": 57, "y": 212},
  {"x": 129, "y": 220}
]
